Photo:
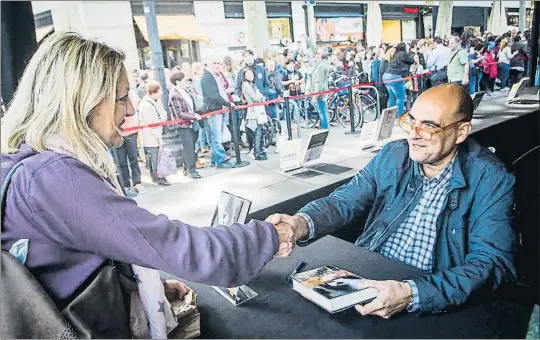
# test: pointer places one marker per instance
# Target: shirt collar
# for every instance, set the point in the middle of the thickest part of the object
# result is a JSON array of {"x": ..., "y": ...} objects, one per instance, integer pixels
[{"x": 444, "y": 175}]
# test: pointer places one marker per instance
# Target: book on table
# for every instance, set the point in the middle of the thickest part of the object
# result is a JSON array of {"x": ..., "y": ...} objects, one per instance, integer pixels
[{"x": 332, "y": 288}]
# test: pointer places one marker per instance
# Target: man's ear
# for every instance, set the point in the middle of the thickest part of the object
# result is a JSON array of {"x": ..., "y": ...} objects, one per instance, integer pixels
[{"x": 463, "y": 132}]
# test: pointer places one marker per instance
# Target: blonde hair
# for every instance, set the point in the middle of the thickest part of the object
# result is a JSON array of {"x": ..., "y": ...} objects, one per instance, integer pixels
[
  {"x": 504, "y": 43},
  {"x": 389, "y": 53},
  {"x": 64, "y": 82}
]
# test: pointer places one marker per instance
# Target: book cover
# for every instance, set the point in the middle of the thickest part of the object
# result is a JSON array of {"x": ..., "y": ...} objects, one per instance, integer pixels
[
  {"x": 236, "y": 295},
  {"x": 332, "y": 288},
  {"x": 229, "y": 210}
]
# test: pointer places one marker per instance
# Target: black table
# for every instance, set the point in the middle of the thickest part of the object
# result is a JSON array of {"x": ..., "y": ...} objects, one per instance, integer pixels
[{"x": 279, "y": 312}]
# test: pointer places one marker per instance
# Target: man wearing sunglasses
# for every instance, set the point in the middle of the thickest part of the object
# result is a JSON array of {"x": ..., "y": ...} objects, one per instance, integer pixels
[{"x": 437, "y": 201}]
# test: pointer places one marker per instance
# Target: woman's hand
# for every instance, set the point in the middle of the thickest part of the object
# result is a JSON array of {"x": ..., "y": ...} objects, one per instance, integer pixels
[{"x": 176, "y": 289}]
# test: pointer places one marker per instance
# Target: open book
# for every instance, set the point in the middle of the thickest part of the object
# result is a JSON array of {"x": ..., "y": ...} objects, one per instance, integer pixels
[{"x": 332, "y": 288}]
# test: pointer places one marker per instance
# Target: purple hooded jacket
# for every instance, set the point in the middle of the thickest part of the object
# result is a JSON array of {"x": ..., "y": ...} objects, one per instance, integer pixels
[{"x": 75, "y": 221}]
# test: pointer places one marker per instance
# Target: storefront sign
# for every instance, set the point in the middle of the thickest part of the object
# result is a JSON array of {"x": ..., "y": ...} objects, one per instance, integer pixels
[
  {"x": 410, "y": 10},
  {"x": 339, "y": 29}
]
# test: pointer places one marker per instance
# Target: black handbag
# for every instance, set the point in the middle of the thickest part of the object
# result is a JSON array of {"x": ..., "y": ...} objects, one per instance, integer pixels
[{"x": 100, "y": 309}]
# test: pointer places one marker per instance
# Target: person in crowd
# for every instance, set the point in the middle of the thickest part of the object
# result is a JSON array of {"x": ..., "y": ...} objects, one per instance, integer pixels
[
  {"x": 415, "y": 48},
  {"x": 416, "y": 83},
  {"x": 292, "y": 83},
  {"x": 438, "y": 62},
  {"x": 62, "y": 142},
  {"x": 261, "y": 77},
  {"x": 449, "y": 212},
  {"x": 215, "y": 98},
  {"x": 196, "y": 92},
  {"x": 517, "y": 65},
  {"x": 458, "y": 67},
  {"x": 152, "y": 138},
  {"x": 128, "y": 164},
  {"x": 398, "y": 67},
  {"x": 319, "y": 81},
  {"x": 489, "y": 71},
  {"x": 229, "y": 71},
  {"x": 182, "y": 105},
  {"x": 475, "y": 73},
  {"x": 186, "y": 69},
  {"x": 255, "y": 117},
  {"x": 276, "y": 87},
  {"x": 141, "y": 88},
  {"x": 504, "y": 57}
]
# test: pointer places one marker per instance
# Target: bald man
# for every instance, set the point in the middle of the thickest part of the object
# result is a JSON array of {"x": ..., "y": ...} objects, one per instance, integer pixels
[{"x": 437, "y": 201}]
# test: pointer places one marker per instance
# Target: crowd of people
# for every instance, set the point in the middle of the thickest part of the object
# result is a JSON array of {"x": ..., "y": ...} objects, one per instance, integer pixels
[
  {"x": 401, "y": 72},
  {"x": 65, "y": 217}
]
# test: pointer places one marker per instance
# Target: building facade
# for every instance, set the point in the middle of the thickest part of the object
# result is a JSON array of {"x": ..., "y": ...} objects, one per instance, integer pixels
[{"x": 194, "y": 30}]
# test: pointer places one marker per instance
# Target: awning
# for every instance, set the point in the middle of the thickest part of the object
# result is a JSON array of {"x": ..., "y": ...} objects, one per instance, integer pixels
[
  {"x": 43, "y": 31},
  {"x": 174, "y": 27}
]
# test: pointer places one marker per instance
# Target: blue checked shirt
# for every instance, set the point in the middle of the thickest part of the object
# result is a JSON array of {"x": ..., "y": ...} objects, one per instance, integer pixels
[{"x": 413, "y": 241}]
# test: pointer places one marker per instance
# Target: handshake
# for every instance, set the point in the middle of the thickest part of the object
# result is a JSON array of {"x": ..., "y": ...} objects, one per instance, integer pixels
[{"x": 290, "y": 229}]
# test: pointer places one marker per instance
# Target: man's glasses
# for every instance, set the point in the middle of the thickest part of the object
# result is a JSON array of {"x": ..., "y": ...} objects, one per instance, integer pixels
[{"x": 425, "y": 131}]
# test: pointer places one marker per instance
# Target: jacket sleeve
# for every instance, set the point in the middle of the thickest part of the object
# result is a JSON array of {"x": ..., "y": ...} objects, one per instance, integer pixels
[
  {"x": 211, "y": 91},
  {"x": 105, "y": 223},
  {"x": 349, "y": 201},
  {"x": 239, "y": 83},
  {"x": 177, "y": 105},
  {"x": 492, "y": 243},
  {"x": 266, "y": 83},
  {"x": 149, "y": 115}
]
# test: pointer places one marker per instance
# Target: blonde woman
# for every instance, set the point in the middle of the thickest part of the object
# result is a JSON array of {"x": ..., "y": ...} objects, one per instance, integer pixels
[
  {"x": 65, "y": 200},
  {"x": 505, "y": 54}
]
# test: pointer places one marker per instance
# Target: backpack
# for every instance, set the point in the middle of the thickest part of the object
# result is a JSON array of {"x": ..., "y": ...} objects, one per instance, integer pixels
[{"x": 99, "y": 309}]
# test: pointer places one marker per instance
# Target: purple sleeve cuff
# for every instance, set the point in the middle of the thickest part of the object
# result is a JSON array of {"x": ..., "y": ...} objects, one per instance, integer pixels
[{"x": 414, "y": 305}]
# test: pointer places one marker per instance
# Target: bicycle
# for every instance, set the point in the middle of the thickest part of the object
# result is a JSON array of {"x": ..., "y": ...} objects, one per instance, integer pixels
[{"x": 338, "y": 104}]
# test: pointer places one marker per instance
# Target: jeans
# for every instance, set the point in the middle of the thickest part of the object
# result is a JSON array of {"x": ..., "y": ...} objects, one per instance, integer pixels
[
  {"x": 152, "y": 157},
  {"x": 127, "y": 159},
  {"x": 203, "y": 135},
  {"x": 472, "y": 84},
  {"x": 271, "y": 109},
  {"x": 323, "y": 112},
  {"x": 216, "y": 125},
  {"x": 255, "y": 140},
  {"x": 188, "y": 137},
  {"x": 396, "y": 92},
  {"x": 505, "y": 73}
]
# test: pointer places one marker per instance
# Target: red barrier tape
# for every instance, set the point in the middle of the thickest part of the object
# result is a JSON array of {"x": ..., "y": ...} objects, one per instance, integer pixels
[{"x": 272, "y": 101}]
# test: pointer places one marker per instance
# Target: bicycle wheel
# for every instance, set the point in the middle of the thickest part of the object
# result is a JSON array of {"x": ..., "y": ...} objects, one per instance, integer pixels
[
  {"x": 308, "y": 112},
  {"x": 369, "y": 106},
  {"x": 344, "y": 114}
]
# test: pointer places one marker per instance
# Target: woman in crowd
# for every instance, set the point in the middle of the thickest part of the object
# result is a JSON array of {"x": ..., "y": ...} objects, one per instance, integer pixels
[
  {"x": 150, "y": 113},
  {"x": 255, "y": 116},
  {"x": 505, "y": 54},
  {"x": 398, "y": 67},
  {"x": 415, "y": 87},
  {"x": 204, "y": 133},
  {"x": 182, "y": 105},
  {"x": 85, "y": 221},
  {"x": 489, "y": 70}
]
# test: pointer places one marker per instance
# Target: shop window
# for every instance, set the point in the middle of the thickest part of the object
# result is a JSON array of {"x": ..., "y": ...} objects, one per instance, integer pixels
[
  {"x": 339, "y": 29},
  {"x": 235, "y": 9},
  {"x": 279, "y": 28},
  {"x": 165, "y": 7},
  {"x": 391, "y": 31}
]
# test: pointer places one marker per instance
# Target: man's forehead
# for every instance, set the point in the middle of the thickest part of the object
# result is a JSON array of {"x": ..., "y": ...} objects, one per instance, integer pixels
[{"x": 431, "y": 108}]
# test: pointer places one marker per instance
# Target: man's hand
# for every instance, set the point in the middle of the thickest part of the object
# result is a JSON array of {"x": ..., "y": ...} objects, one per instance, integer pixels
[
  {"x": 176, "y": 289},
  {"x": 198, "y": 116},
  {"x": 465, "y": 81},
  {"x": 290, "y": 229},
  {"x": 393, "y": 297}
]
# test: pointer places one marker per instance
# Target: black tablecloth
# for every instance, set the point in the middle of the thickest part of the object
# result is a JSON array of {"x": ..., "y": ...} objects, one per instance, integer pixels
[{"x": 279, "y": 312}]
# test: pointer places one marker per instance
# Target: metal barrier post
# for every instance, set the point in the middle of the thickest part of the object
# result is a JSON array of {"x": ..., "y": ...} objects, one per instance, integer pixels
[
  {"x": 351, "y": 113},
  {"x": 239, "y": 162},
  {"x": 288, "y": 118}
]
